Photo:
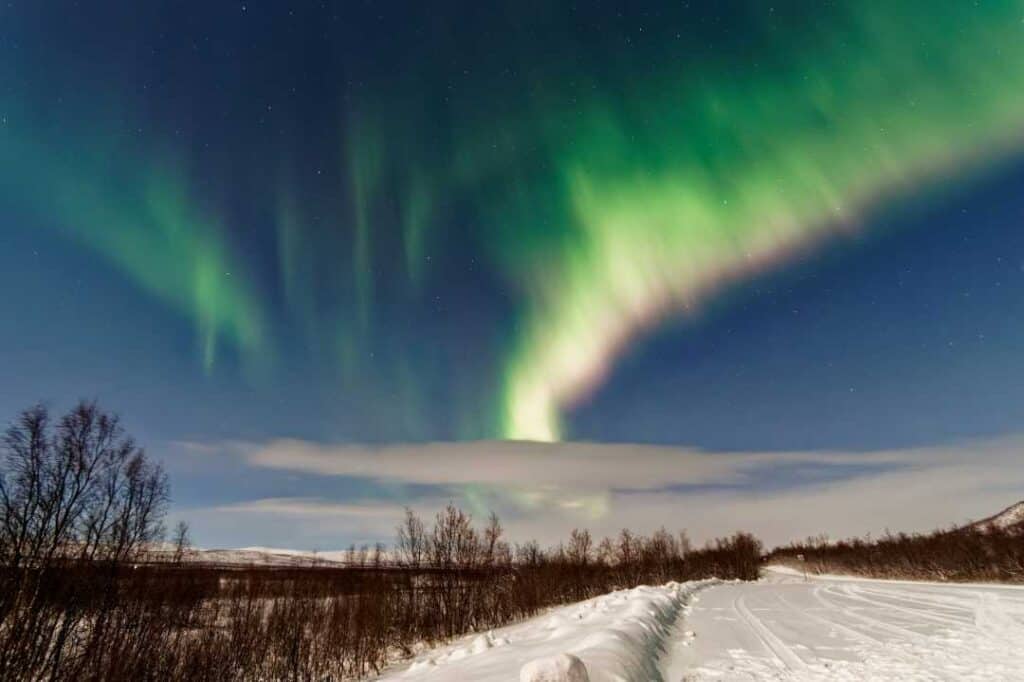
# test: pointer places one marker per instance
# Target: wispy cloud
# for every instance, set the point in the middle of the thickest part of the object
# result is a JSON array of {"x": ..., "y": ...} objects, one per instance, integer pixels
[
  {"x": 574, "y": 464},
  {"x": 543, "y": 490},
  {"x": 306, "y": 506}
]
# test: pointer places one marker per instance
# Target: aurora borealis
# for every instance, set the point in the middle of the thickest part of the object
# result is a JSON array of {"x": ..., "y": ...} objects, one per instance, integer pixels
[
  {"x": 731, "y": 176},
  {"x": 525, "y": 221}
]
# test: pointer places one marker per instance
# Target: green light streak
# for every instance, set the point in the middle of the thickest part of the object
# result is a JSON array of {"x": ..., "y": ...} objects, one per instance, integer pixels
[
  {"x": 612, "y": 184},
  {"x": 139, "y": 218},
  {"x": 415, "y": 223},
  {"x": 618, "y": 187},
  {"x": 364, "y": 173},
  {"x": 702, "y": 184}
]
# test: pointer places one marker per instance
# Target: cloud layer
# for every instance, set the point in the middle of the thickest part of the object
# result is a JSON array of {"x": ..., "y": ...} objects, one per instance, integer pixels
[
  {"x": 544, "y": 490},
  {"x": 572, "y": 465}
]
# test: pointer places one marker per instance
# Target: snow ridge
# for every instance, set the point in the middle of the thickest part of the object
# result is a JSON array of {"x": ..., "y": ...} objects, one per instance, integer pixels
[
  {"x": 621, "y": 636},
  {"x": 632, "y": 646}
]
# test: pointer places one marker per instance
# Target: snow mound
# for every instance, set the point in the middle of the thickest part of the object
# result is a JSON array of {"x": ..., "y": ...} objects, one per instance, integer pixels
[
  {"x": 481, "y": 644},
  {"x": 560, "y": 668},
  {"x": 617, "y": 637}
]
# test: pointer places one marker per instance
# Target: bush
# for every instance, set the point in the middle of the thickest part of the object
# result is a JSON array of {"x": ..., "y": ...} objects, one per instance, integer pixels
[
  {"x": 82, "y": 597},
  {"x": 985, "y": 552},
  {"x": 79, "y": 502}
]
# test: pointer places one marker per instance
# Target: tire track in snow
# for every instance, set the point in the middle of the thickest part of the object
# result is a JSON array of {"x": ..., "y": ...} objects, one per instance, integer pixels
[
  {"x": 886, "y": 597},
  {"x": 874, "y": 622},
  {"x": 862, "y": 637},
  {"x": 784, "y": 655},
  {"x": 857, "y": 593},
  {"x": 820, "y": 630}
]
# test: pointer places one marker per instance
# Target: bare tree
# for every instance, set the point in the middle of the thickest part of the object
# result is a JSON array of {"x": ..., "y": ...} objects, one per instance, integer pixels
[
  {"x": 412, "y": 540},
  {"x": 580, "y": 547},
  {"x": 181, "y": 541},
  {"x": 492, "y": 539},
  {"x": 455, "y": 542},
  {"x": 77, "y": 490},
  {"x": 627, "y": 548},
  {"x": 82, "y": 489},
  {"x": 529, "y": 554},
  {"x": 685, "y": 546}
]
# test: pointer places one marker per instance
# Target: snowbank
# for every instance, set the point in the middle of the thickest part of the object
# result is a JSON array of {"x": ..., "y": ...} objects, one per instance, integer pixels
[
  {"x": 560, "y": 668},
  {"x": 619, "y": 636}
]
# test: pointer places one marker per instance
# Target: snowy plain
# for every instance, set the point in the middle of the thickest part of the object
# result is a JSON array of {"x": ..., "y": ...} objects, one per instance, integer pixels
[{"x": 783, "y": 627}]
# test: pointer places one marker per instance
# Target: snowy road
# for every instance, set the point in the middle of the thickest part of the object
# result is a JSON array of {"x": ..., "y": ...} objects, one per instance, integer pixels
[
  {"x": 780, "y": 628},
  {"x": 784, "y": 628}
]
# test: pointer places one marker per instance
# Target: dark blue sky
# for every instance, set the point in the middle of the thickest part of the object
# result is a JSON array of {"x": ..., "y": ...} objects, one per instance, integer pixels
[
  {"x": 905, "y": 336},
  {"x": 706, "y": 226}
]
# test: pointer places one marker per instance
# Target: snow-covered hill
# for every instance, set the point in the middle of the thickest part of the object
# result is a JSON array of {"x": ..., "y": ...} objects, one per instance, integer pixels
[
  {"x": 267, "y": 556},
  {"x": 255, "y": 556},
  {"x": 1009, "y": 517}
]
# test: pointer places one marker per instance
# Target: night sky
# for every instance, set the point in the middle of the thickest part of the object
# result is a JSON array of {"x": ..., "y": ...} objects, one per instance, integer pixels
[{"x": 772, "y": 228}]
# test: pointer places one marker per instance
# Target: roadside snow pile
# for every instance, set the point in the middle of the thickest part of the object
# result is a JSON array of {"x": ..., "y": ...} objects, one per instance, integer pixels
[
  {"x": 560, "y": 668},
  {"x": 620, "y": 636}
]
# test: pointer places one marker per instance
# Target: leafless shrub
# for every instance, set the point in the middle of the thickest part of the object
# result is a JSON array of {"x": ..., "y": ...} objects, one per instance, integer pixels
[
  {"x": 73, "y": 492},
  {"x": 82, "y": 599},
  {"x": 968, "y": 553}
]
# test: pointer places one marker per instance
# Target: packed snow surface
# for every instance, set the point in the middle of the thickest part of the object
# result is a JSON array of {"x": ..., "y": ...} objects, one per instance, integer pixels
[
  {"x": 784, "y": 627},
  {"x": 840, "y": 628}
]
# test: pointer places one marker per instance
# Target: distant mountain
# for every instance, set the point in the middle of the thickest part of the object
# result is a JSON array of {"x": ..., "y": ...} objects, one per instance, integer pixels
[
  {"x": 267, "y": 556},
  {"x": 278, "y": 557},
  {"x": 261, "y": 556},
  {"x": 1008, "y": 518}
]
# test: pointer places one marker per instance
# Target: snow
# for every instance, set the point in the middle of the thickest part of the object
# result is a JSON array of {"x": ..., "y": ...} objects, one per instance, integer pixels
[
  {"x": 1011, "y": 516},
  {"x": 618, "y": 636},
  {"x": 272, "y": 556},
  {"x": 783, "y": 627},
  {"x": 560, "y": 668},
  {"x": 846, "y": 628},
  {"x": 335, "y": 556},
  {"x": 264, "y": 556}
]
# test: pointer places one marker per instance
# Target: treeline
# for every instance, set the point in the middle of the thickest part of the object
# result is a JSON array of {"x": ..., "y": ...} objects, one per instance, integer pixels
[
  {"x": 81, "y": 599},
  {"x": 985, "y": 552}
]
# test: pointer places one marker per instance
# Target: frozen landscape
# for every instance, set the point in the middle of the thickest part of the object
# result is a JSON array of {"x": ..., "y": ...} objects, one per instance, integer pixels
[{"x": 784, "y": 627}]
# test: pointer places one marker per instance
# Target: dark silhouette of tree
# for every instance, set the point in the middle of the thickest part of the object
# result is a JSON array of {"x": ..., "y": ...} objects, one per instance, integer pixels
[{"x": 74, "y": 490}]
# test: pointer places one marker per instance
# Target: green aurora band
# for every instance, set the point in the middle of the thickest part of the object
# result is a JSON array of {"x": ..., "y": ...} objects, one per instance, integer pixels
[
  {"x": 636, "y": 204},
  {"x": 611, "y": 178},
  {"x": 125, "y": 202},
  {"x": 797, "y": 154}
]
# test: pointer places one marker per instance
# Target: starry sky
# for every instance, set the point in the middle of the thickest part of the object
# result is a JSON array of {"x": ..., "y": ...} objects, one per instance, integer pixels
[{"x": 772, "y": 228}]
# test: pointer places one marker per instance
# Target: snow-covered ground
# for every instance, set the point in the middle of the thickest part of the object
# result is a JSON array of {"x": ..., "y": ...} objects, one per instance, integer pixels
[
  {"x": 842, "y": 628},
  {"x": 781, "y": 628},
  {"x": 619, "y": 636}
]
